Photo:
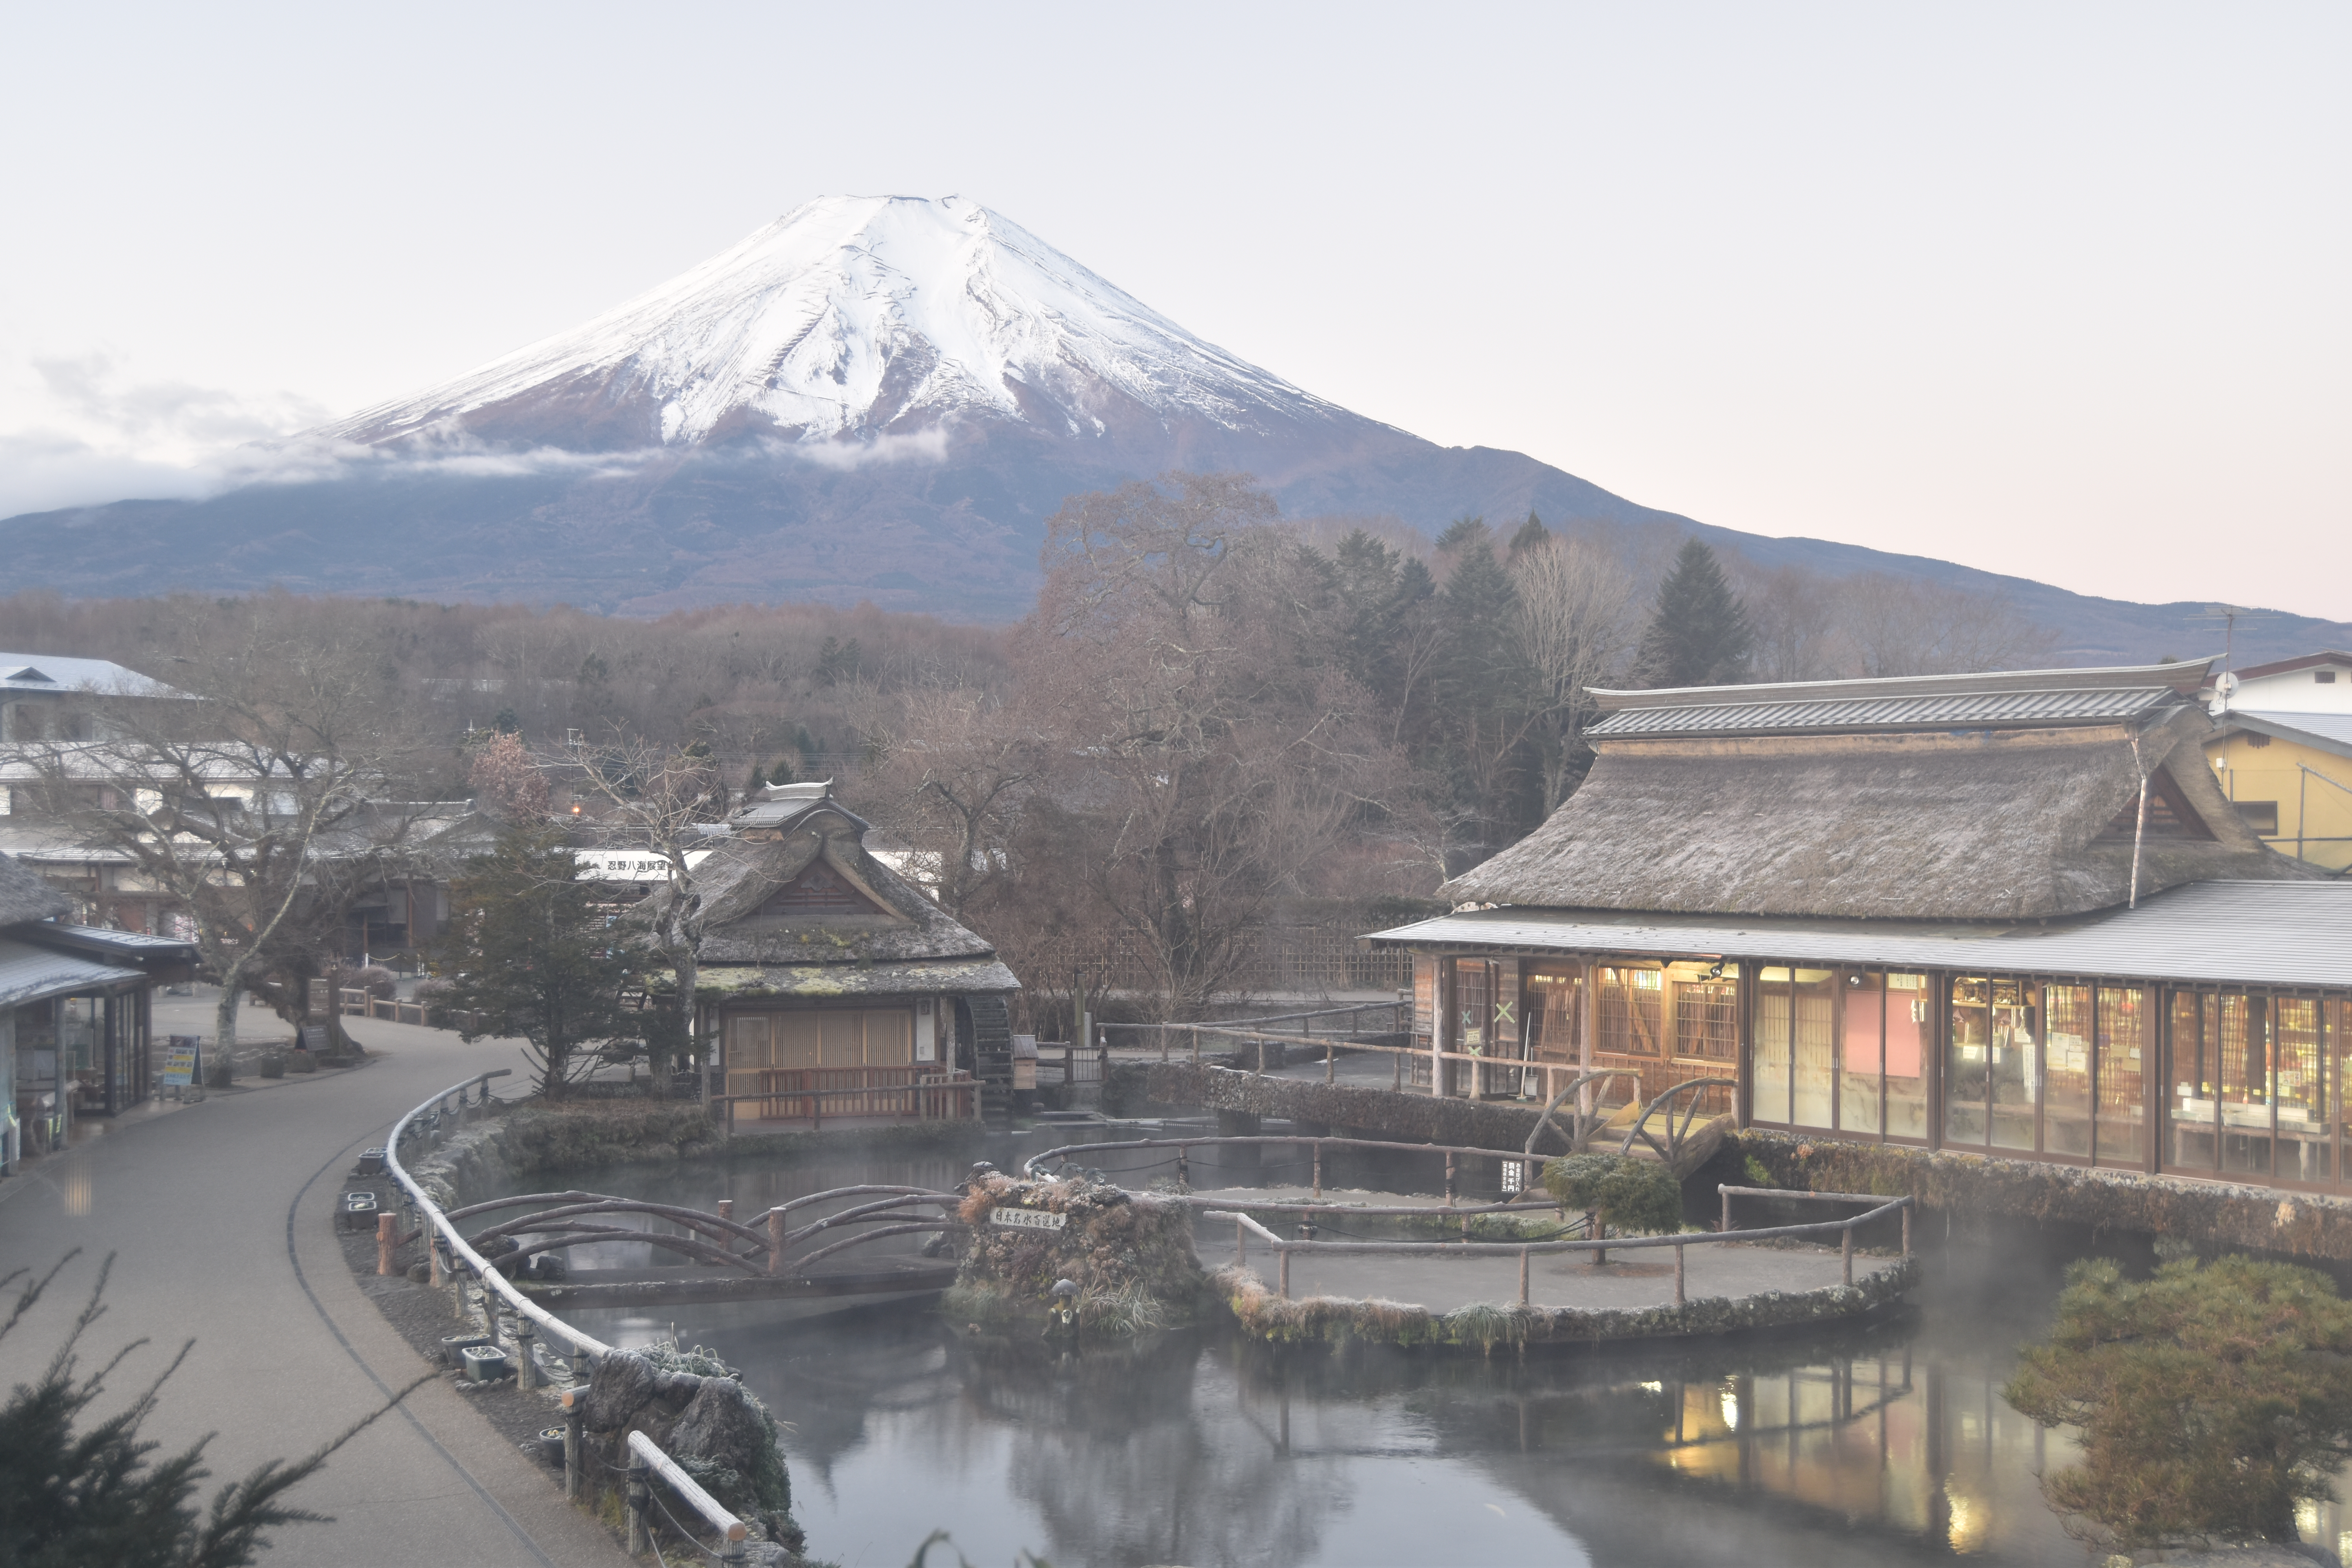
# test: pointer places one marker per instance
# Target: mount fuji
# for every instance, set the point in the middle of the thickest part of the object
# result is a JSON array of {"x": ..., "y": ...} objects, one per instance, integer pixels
[{"x": 871, "y": 398}]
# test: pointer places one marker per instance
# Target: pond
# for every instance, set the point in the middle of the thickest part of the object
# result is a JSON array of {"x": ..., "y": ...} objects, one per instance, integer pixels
[{"x": 1880, "y": 1443}]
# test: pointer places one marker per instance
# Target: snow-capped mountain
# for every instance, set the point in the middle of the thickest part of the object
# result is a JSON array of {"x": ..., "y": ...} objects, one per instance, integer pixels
[
  {"x": 872, "y": 398},
  {"x": 856, "y": 317}
]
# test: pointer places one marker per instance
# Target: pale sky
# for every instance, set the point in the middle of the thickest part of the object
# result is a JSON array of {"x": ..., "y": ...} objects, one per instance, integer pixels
[{"x": 2058, "y": 290}]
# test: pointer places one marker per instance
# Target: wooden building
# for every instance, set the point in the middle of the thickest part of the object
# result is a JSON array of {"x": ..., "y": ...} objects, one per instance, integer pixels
[
  {"x": 2009, "y": 913},
  {"x": 835, "y": 986}
]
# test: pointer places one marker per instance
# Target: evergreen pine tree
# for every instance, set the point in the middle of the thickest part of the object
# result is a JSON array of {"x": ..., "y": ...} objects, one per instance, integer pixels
[
  {"x": 1460, "y": 534},
  {"x": 532, "y": 958},
  {"x": 1699, "y": 633},
  {"x": 1531, "y": 534}
]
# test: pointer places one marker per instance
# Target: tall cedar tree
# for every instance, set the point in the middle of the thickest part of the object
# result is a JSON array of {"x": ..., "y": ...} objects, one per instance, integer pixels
[
  {"x": 529, "y": 953},
  {"x": 1485, "y": 693},
  {"x": 2210, "y": 1401},
  {"x": 1699, "y": 633}
]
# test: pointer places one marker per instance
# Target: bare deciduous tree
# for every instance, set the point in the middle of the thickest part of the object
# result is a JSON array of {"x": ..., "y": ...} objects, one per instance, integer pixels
[
  {"x": 951, "y": 766},
  {"x": 658, "y": 796},
  {"x": 1205, "y": 754},
  {"x": 1577, "y": 616},
  {"x": 259, "y": 805}
]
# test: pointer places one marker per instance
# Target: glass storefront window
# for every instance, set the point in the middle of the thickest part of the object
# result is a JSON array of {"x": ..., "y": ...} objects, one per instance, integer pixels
[
  {"x": 2066, "y": 1111},
  {"x": 1554, "y": 1008},
  {"x": 1771, "y": 1062},
  {"x": 2302, "y": 1152},
  {"x": 1863, "y": 1058},
  {"x": 1632, "y": 1011},
  {"x": 2190, "y": 1067},
  {"x": 2336, "y": 1049},
  {"x": 2123, "y": 1041},
  {"x": 1968, "y": 1062},
  {"x": 1908, "y": 1033},
  {"x": 1815, "y": 1047},
  {"x": 2241, "y": 1031},
  {"x": 2015, "y": 1066}
]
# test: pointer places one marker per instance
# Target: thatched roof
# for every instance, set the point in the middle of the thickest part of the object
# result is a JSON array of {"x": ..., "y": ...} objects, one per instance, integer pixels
[
  {"x": 860, "y": 929},
  {"x": 25, "y": 895},
  {"x": 1977, "y": 824}
]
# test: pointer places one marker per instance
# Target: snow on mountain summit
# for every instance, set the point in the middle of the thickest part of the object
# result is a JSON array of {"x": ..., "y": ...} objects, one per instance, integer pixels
[{"x": 850, "y": 317}]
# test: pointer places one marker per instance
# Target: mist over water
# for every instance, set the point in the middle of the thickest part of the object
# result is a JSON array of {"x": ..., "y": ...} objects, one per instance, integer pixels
[{"x": 1884, "y": 1442}]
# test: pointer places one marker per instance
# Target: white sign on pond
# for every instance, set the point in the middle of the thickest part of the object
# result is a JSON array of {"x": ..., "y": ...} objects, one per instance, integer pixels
[{"x": 1027, "y": 1219}]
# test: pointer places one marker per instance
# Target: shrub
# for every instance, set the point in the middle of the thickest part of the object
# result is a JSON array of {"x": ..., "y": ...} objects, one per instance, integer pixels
[
  {"x": 2210, "y": 1400},
  {"x": 1625, "y": 1193},
  {"x": 374, "y": 979}
]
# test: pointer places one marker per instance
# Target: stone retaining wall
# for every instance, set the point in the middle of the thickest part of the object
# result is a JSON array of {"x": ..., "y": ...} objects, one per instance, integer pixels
[
  {"x": 1970, "y": 1189},
  {"x": 1483, "y": 1326},
  {"x": 1342, "y": 1109}
]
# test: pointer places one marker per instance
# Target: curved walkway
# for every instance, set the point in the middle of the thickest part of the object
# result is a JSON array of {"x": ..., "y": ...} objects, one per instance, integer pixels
[{"x": 220, "y": 1216}]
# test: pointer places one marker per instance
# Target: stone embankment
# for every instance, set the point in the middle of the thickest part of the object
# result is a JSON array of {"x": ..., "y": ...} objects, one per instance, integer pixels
[
  {"x": 1961, "y": 1191},
  {"x": 1964, "y": 1192},
  {"x": 1483, "y": 1325},
  {"x": 1075, "y": 1253}
]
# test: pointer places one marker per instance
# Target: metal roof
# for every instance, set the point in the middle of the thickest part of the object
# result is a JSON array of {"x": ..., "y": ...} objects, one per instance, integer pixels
[
  {"x": 2225, "y": 933},
  {"x": 47, "y": 672},
  {"x": 1978, "y": 710},
  {"x": 36, "y": 974},
  {"x": 2183, "y": 678},
  {"x": 130, "y": 944},
  {"x": 2328, "y": 731}
]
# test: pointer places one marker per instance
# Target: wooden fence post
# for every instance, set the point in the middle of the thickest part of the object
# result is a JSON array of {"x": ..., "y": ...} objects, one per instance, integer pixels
[
  {"x": 387, "y": 1235},
  {"x": 775, "y": 1241},
  {"x": 1523, "y": 1273},
  {"x": 1679, "y": 1274},
  {"x": 636, "y": 1499},
  {"x": 571, "y": 1416},
  {"x": 1845, "y": 1251},
  {"x": 526, "y": 1366}
]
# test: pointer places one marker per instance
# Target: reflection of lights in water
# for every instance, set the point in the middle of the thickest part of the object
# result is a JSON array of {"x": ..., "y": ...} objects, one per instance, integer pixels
[
  {"x": 1971, "y": 1522},
  {"x": 1731, "y": 1410}
]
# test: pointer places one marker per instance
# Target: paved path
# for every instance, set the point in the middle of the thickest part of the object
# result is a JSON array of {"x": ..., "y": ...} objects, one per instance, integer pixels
[{"x": 221, "y": 1215}]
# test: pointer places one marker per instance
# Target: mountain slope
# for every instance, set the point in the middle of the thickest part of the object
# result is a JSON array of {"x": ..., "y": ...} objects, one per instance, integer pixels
[{"x": 871, "y": 397}]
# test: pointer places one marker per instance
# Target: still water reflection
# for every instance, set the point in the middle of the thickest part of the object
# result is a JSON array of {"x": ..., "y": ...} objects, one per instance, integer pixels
[{"x": 1874, "y": 1444}]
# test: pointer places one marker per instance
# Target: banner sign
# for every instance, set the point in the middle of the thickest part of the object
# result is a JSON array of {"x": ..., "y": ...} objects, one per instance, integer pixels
[{"x": 180, "y": 1064}]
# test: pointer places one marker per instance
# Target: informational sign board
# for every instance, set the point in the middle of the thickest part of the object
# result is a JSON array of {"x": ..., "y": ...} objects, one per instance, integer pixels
[
  {"x": 314, "y": 1037},
  {"x": 181, "y": 1065},
  {"x": 1027, "y": 1219},
  {"x": 1025, "y": 1061}
]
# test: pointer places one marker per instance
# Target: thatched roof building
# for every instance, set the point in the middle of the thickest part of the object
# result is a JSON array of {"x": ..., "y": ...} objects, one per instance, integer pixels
[
  {"x": 817, "y": 958},
  {"x": 2004, "y": 796},
  {"x": 796, "y": 905}
]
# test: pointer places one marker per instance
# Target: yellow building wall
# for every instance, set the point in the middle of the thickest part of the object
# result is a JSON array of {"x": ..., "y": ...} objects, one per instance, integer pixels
[{"x": 2317, "y": 807}]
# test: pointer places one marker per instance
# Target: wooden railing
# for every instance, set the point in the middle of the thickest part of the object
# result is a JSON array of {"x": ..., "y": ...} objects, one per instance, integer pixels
[{"x": 812, "y": 1094}]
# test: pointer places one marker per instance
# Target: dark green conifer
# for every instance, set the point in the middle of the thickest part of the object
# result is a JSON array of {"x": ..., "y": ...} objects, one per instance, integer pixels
[
  {"x": 1531, "y": 534},
  {"x": 1699, "y": 633}
]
